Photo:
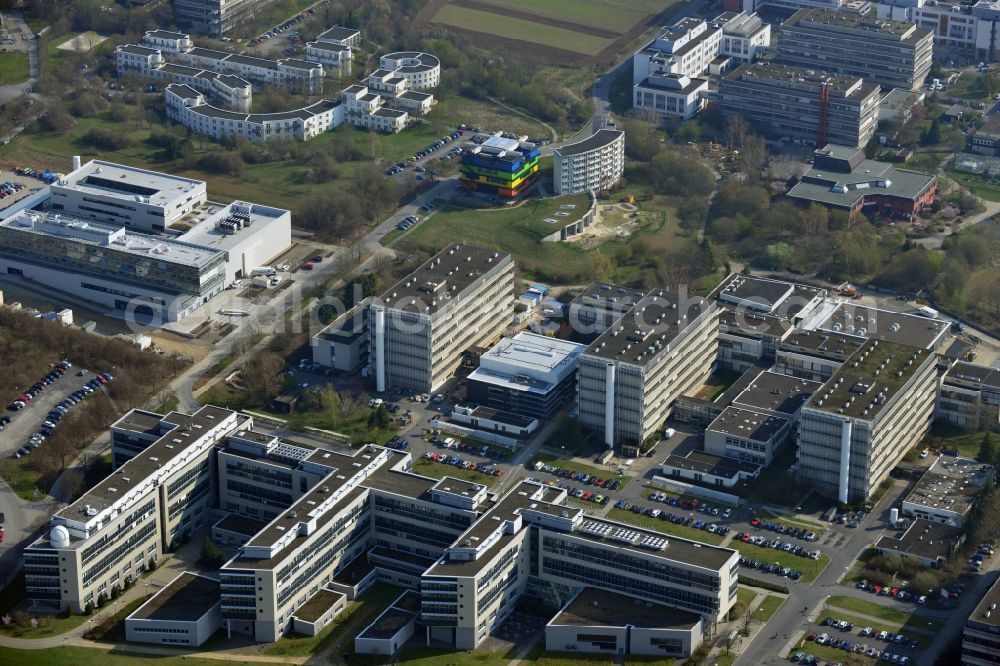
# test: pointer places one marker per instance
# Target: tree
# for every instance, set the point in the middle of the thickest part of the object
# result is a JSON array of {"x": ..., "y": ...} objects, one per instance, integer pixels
[
  {"x": 211, "y": 554},
  {"x": 932, "y": 136},
  {"x": 737, "y": 129},
  {"x": 379, "y": 418},
  {"x": 330, "y": 403},
  {"x": 987, "y": 451}
]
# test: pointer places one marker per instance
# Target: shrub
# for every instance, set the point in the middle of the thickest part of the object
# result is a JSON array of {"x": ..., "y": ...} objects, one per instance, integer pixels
[{"x": 105, "y": 139}]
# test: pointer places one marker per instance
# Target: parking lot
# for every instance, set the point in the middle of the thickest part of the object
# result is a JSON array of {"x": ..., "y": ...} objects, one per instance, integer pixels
[
  {"x": 14, "y": 187},
  {"x": 28, "y": 421}
]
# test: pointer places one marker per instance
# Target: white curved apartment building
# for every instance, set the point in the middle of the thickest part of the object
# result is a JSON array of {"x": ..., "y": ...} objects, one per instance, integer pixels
[
  {"x": 422, "y": 70},
  {"x": 596, "y": 163}
]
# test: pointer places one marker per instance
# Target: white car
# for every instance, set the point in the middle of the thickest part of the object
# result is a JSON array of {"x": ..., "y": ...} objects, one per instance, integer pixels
[{"x": 924, "y": 453}]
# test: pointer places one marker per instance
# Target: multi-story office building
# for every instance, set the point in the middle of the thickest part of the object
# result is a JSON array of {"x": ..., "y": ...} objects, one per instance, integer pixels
[
  {"x": 808, "y": 106},
  {"x": 630, "y": 376},
  {"x": 858, "y": 426},
  {"x": 343, "y": 344},
  {"x": 891, "y": 53},
  {"x": 981, "y": 635},
  {"x": 789, "y": 7},
  {"x": 675, "y": 96},
  {"x": 970, "y": 397},
  {"x": 532, "y": 375},
  {"x": 499, "y": 165},
  {"x": 596, "y": 163},
  {"x": 973, "y": 27},
  {"x": 112, "y": 532},
  {"x": 216, "y": 17},
  {"x": 463, "y": 297},
  {"x": 136, "y": 241}
]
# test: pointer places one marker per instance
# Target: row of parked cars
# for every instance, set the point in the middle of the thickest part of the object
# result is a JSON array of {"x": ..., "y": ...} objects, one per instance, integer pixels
[
  {"x": 475, "y": 449},
  {"x": 581, "y": 477},
  {"x": 687, "y": 521},
  {"x": 447, "y": 138},
  {"x": 278, "y": 29},
  {"x": 22, "y": 400},
  {"x": 407, "y": 222},
  {"x": 484, "y": 467},
  {"x": 770, "y": 567},
  {"x": 796, "y": 532},
  {"x": 886, "y": 591},
  {"x": 690, "y": 505},
  {"x": 397, "y": 443},
  {"x": 778, "y": 544},
  {"x": 9, "y": 188}
]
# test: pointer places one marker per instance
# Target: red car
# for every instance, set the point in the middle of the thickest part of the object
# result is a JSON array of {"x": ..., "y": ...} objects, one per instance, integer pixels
[
  {"x": 308, "y": 266},
  {"x": 755, "y": 522}
]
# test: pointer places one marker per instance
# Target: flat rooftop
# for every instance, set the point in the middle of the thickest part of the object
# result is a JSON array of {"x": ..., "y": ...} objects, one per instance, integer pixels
[
  {"x": 318, "y": 604},
  {"x": 982, "y": 375},
  {"x": 185, "y": 599},
  {"x": 593, "y": 607},
  {"x": 922, "y": 538},
  {"x": 823, "y": 344},
  {"x": 867, "y": 322},
  {"x": 449, "y": 484},
  {"x": 950, "y": 484},
  {"x": 240, "y": 524},
  {"x": 775, "y": 392},
  {"x": 528, "y": 361},
  {"x": 988, "y": 604},
  {"x": 388, "y": 624},
  {"x": 785, "y": 300},
  {"x": 441, "y": 279},
  {"x": 138, "y": 420},
  {"x": 651, "y": 326},
  {"x": 499, "y": 416},
  {"x": 748, "y": 424},
  {"x": 841, "y": 85},
  {"x": 869, "y": 380},
  {"x": 102, "y": 178},
  {"x": 338, "y": 33},
  {"x": 835, "y": 21},
  {"x": 599, "y": 139},
  {"x": 204, "y": 222},
  {"x": 706, "y": 463},
  {"x": 608, "y": 298}
]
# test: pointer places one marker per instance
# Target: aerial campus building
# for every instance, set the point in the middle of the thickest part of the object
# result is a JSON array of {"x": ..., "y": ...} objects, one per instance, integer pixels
[
  {"x": 594, "y": 164},
  {"x": 461, "y": 299},
  {"x": 137, "y": 241},
  {"x": 499, "y": 165},
  {"x": 629, "y": 377},
  {"x": 806, "y": 105},
  {"x": 891, "y": 53},
  {"x": 970, "y": 27},
  {"x": 970, "y": 397},
  {"x": 315, "y": 527},
  {"x": 842, "y": 178}
]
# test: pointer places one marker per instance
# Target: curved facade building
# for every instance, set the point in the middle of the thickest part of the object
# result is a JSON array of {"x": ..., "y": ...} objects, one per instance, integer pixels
[
  {"x": 596, "y": 163},
  {"x": 422, "y": 70}
]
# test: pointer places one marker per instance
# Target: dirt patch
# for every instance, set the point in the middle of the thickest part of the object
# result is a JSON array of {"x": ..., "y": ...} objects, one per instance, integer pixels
[
  {"x": 82, "y": 43},
  {"x": 171, "y": 344}
]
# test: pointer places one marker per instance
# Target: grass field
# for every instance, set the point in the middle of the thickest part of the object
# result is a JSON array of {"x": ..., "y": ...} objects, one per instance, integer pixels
[
  {"x": 984, "y": 186},
  {"x": 60, "y": 656},
  {"x": 604, "y": 14},
  {"x": 13, "y": 68},
  {"x": 886, "y": 613},
  {"x": 943, "y": 435},
  {"x": 767, "y": 608},
  {"x": 664, "y": 526},
  {"x": 518, "y": 29},
  {"x": 810, "y": 568}
]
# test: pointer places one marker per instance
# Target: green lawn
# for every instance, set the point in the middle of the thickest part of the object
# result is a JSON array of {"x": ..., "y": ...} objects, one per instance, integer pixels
[
  {"x": 801, "y": 523},
  {"x": 984, "y": 186},
  {"x": 439, "y": 470},
  {"x": 351, "y": 621},
  {"x": 572, "y": 465},
  {"x": 13, "y": 68},
  {"x": 744, "y": 595},
  {"x": 61, "y": 656},
  {"x": 113, "y": 628},
  {"x": 768, "y": 607},
  {"x": 944, "y": 435},
  {"x": 664, "y": 526},
  {"x": 20, "y": 477},
  {"x": 604, "y": 14},
  {"x": 519, "y": 29},
  {"x": 47, "y": 626},
  {"x": 883, "y": 612},
  {"x": 810, "y": 568},
  {"x": 913, "y": 631}
]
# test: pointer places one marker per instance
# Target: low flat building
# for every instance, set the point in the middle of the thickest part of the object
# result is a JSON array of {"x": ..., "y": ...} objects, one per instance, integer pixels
[
  {"x": 317, "y": 613},
  {"x": 593, "y": 164},
  {"x": 185, "y": 612},
  {"x": 529, "y": 374},
  {"x": 985, "y": 140},
  {"x": 842, "y": 178},
  {"x": 747, "y": 435},
  {"x": 343, "y": 344},
  {"x": 602, "y": 622},
  {"x": 970, "y": 397},
  {"x": 947, "y": 491},
  {"x": 981, "y": 635},
  {"x": 392, "y": 628},
  {"x": 930, "y": 543},
  {"x": 708, "y": 469},
  {"x": 487, "y": 419},
  {"x": 808, "y": 106},
  {"x": 341, "y": 36}
]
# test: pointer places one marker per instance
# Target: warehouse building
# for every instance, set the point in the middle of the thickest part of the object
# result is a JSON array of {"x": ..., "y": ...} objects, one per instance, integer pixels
[
  {"x": 891, "y": 53},
  {"x": 462, "y": 298},
  {"x": 499, "y": 165},
  {"x": 532, "y": 375},
  {"x": 630, "y": 376},
  {"x": 864, "y": 419},
  {"x": 594, "y": 164},
  {"x": 807, "y": 106}
]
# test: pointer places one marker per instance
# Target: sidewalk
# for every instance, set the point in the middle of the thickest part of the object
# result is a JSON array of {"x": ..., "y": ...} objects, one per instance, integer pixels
[{"x": 742, "y": 642}]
